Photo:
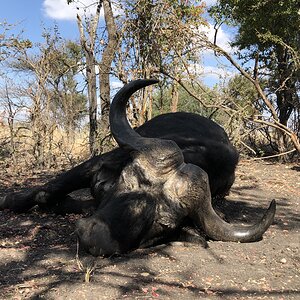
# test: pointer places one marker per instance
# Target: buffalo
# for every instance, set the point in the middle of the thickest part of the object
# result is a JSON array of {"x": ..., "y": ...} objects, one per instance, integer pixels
[{"x": 163, "y": 176}]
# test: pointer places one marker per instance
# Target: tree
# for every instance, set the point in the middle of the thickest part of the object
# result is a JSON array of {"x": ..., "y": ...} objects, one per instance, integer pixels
[
  {"x": 13, "y": 106},
  {"x": 157, "y": 40},
  {"x": 51, "y": 92},
  {"x": 9, "y": 42},
  {"x": 68, "y": 104},
  {"x": 268, "y": 34}
]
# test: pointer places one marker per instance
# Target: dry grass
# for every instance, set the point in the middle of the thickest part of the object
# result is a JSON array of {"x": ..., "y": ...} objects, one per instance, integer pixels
[{"x": 59, "y": 149}]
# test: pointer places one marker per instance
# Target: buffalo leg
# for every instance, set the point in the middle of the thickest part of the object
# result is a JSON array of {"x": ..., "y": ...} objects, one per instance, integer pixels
[{"x": 55, "y": 190}]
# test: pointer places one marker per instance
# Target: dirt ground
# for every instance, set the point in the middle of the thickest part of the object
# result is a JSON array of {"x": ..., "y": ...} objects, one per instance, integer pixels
[{"x": 38, "y": 251}]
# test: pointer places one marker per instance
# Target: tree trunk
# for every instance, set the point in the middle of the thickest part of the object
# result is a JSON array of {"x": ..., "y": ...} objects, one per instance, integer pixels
[
  {"x": 284, "y": 97},
  {"x": 92, "y": 96},
  {"x": 175, "y": 97},
  {"x": 105, "y": 67},
  {"x": 11, "y": 125},
  {"x": 89, "y": 51}
]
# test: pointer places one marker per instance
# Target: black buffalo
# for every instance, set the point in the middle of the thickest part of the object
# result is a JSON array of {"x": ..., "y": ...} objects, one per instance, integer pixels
[{"x": 162, "y": 176}]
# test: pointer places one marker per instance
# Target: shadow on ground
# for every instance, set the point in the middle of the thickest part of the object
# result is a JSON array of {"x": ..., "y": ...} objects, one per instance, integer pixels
[{"x": 38, "y": 258}]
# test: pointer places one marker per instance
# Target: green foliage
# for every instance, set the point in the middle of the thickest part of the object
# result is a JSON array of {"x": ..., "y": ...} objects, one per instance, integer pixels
[
  {"x": 261, "y": 23},
  {"x": 162, "y": 102},
  {"x": 243, "y": 95},
  {"x": 268, "y": 32}
]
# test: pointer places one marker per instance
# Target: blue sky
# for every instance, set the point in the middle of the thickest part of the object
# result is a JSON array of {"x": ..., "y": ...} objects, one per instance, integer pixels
[{"x": 32, "y": 15}]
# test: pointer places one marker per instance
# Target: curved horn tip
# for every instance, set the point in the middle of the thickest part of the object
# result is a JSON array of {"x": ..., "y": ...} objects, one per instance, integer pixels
[
  {"x": 273, "y": 204},
  {"x": 272, "y": 207}
]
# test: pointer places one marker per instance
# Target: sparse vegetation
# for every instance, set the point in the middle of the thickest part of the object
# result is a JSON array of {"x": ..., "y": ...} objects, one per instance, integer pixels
[
  {"x": 54, "y": 104},
  {"x": 44, "y": 117}
]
